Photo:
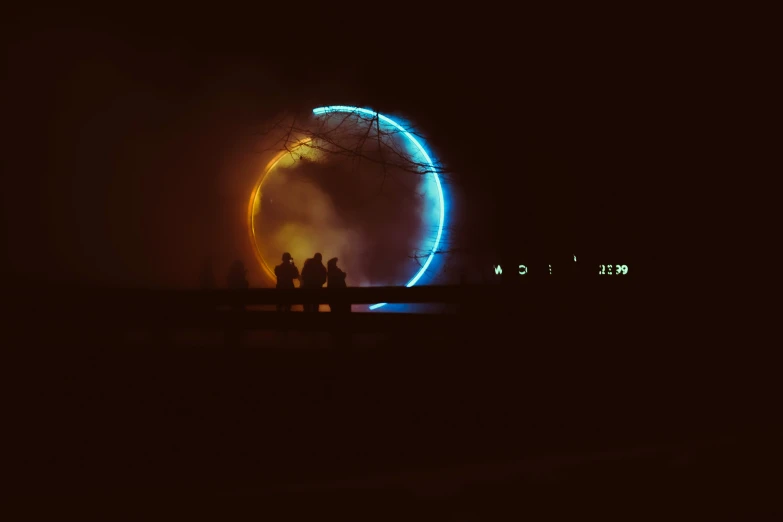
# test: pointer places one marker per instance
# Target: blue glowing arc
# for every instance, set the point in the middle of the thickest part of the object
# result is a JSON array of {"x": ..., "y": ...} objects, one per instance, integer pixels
[{"x": 420, "y": 148}]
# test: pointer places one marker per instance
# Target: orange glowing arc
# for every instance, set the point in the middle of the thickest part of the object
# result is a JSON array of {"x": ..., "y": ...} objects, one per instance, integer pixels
[{"x": 254, "y": 196}]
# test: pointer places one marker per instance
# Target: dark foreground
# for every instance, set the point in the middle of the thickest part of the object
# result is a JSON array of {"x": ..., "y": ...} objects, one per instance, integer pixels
[{"x": 573, "y": 406}]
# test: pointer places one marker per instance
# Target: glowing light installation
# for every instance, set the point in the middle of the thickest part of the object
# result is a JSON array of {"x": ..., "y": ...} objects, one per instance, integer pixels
[
  {"x": 420, "y": 148},
  {"x": 252, "y": 229}
]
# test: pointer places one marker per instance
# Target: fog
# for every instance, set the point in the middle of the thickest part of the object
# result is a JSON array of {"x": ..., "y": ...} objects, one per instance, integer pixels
[{"x": 372, "y": 217}]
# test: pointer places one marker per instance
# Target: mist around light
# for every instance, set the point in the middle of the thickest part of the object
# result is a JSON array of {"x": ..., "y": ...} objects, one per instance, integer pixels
[{"x": 357, "y": 196}]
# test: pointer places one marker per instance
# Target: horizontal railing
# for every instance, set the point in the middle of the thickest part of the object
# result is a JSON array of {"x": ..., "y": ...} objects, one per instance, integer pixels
[
  {"x": 454, "y": 294},
  {"x": 488, "y": 304}
]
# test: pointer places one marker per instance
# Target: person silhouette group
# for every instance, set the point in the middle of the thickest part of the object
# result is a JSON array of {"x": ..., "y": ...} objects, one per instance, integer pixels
[
  {"x": 314, "y": 275},
  {"x": 286, "y": 272},
  {"x": 335, "y": 278}
]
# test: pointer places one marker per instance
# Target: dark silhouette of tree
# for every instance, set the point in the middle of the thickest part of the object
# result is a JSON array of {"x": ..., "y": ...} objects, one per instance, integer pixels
[{"x": 356, "y": 136}]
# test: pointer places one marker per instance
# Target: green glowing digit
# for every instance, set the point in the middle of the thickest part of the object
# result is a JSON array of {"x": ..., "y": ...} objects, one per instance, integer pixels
[{"x": 624, "y": 269}]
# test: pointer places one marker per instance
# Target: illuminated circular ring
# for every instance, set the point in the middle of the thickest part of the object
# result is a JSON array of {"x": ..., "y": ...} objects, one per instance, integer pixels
[
  {"x": 256, "y": 190},
  {"x": 415, "y": 143},
  {"x": 344, "y": 108}
]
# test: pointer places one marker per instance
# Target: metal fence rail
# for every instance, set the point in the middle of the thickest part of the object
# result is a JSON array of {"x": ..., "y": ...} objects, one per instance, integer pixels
[{"x": 454, "y": 294}]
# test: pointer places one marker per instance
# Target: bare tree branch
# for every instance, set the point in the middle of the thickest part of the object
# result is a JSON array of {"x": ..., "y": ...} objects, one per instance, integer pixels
[{"x": 341, "y": 135}]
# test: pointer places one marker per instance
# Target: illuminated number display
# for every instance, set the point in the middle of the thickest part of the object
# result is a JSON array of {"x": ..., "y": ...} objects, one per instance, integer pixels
[
  {"x": 602, "y": 269},
  {"x": 612, "y": 269}
]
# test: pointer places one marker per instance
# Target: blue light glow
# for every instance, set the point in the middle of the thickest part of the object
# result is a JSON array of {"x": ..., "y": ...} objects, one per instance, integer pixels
[{"x": 417, "y": 145}]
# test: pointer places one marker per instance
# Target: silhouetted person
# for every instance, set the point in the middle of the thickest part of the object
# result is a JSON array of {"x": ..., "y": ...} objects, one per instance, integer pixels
[
  {"x": 207, "y": 275},
  {"x": 313, "y": 276},
  {"x": 237, "y": 276},
  {"x": 335, "y": 278},
  {"x": 236, "y": 280},
  {"x": 286, "y": 272}
]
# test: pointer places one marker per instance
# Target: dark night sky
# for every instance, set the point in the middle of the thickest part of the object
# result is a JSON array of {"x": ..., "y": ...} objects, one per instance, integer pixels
[{"x": 123, "y": 130}]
